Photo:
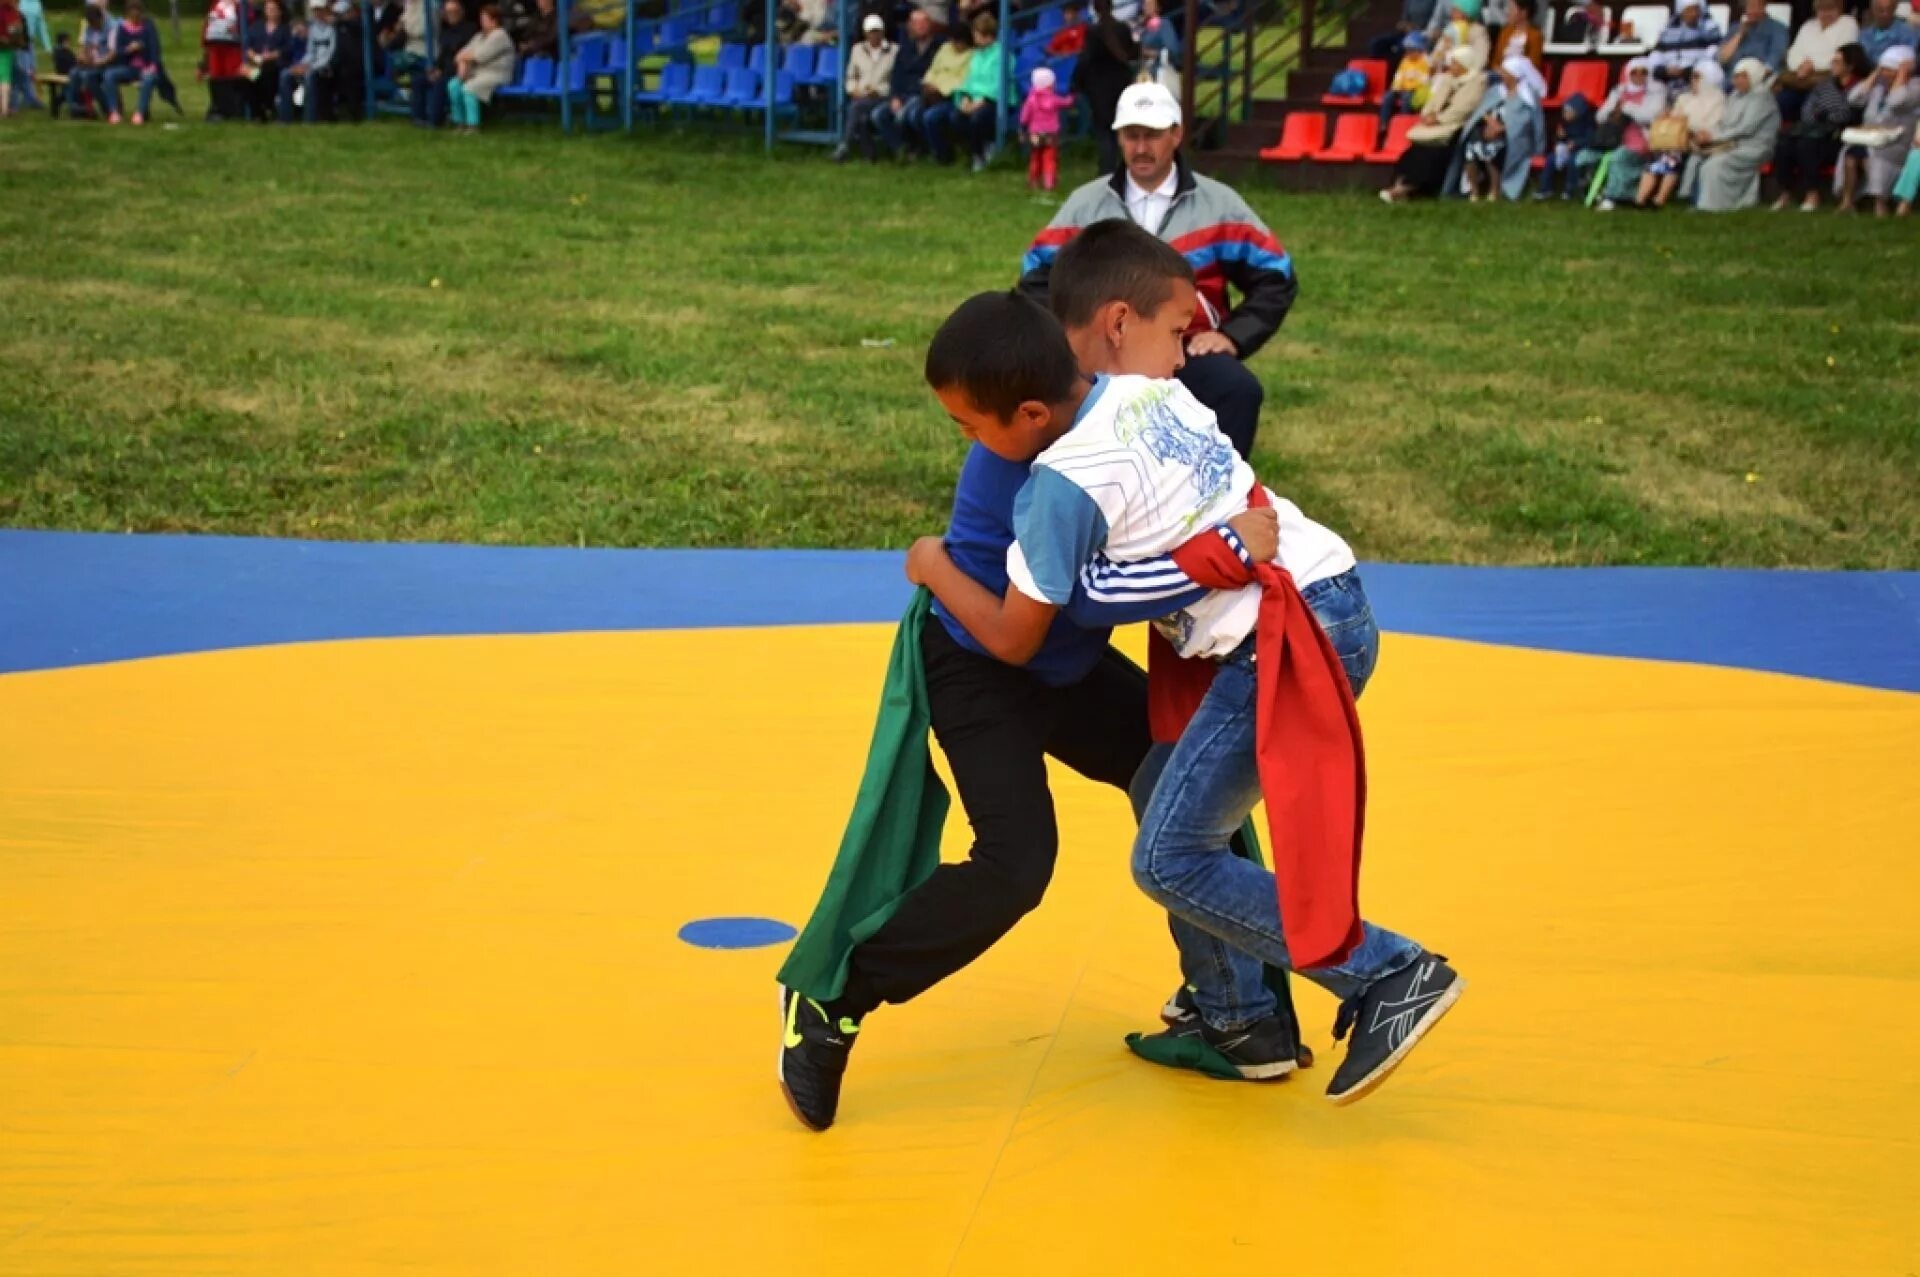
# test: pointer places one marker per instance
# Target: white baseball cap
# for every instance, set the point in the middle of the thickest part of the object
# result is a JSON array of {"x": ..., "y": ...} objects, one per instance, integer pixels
[
  {"x": 1147, "y": 106},
  {"x": 873, "y": 22}
]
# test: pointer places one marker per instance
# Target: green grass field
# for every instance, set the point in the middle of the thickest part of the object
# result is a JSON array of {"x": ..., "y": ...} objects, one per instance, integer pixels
[{"x": 373, "y": 332}]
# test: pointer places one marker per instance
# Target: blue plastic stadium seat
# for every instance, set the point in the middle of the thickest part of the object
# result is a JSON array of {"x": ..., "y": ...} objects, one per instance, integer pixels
[
  {"x": 536, "y": 76},
  {"x": 732, "y": 57},
  {"x": 576, "y": 85},
  {"x": 826, "y": 67},
  {"x": 757, "y": 59},
  {"x": 672, "y": 36},
  {"x": 783, "y": 103},
  {"x": 743, "y": 90},
  {"x": 798, "y": 63},
  {"x": 676, "y": 80},
  {"x": 708, "y": 84}
]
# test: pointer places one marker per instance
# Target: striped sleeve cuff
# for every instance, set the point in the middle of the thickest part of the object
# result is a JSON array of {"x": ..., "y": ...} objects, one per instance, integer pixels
[{"x": 1235, "y": 544}]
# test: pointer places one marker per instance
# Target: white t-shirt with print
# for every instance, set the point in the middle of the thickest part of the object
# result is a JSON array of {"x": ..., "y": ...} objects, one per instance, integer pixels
[{"x": 1143, "y": 470}]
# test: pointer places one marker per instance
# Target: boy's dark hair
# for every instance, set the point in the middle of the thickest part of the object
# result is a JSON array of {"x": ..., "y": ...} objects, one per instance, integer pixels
[
  {"x": 1113, "y": 261},
  {"x": 1002, "y": 350}
]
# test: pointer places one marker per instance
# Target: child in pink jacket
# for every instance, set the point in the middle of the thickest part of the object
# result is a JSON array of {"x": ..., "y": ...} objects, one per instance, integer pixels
[{"x": 1040, "y": 122}]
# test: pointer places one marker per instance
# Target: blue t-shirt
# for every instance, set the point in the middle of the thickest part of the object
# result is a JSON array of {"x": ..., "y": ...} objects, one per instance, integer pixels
[{"x": 978, "y": 538}]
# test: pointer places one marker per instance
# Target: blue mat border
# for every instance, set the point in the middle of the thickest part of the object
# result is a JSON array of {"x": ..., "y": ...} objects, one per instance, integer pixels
[{"x": 84, "y": 598}]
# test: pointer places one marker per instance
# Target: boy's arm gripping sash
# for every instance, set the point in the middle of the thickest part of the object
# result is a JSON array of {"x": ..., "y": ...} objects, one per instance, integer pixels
[
  {"x": 892, "y": 840},
  {"x": 1311, "y": 758}
]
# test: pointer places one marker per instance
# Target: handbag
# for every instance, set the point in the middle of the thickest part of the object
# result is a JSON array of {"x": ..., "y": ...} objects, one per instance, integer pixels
[
  {"x": 1872, "y": 136},
  {"x": 1609, "y": 134},
  {"x": 1669, "y": 133}
]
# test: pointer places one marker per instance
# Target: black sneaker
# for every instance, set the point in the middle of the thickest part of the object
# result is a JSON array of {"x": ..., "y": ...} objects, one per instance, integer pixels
[
  {"x": 1264, "y": 1051},
  {"x": 813, "y": 1056},
  {"x": 1180, "y": 1012},
  {"x": 1182, "y": 1015},
  {"x": 1387, "y": 1020}
]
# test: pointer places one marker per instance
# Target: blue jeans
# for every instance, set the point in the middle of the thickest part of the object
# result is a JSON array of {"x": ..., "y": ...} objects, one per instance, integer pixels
[
  {"x": 115, "y": 77},
  {"x": 1225, "y": 911},
  {"x": 892, "y": 125},
  {"x": 934, "y": 122},
  {"x": 429, "y": 100},
  {"x": 1396, "y": 102},
  {"x": 83, "y": 83},
  {"x": 316, "y": 86}
]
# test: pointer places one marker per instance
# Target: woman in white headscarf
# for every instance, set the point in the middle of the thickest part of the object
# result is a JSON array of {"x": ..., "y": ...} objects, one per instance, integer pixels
[
  {"x": 1749, "y": 127},
  {"x": 1635, "y": 103},
  {"x": 1505, "y": 133},
  {"x": 1890, "y": 101},
  {"x": 1699, "y": 109},
  {"x": 1422, "y": 170}
]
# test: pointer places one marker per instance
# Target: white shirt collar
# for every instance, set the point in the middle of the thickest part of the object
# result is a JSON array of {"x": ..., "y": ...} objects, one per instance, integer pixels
[{"x": 1165, "y": 190}]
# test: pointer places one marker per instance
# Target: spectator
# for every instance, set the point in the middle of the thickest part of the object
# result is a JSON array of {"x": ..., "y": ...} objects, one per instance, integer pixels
[
  {"x": 1415, "y": 16},
  {"x": 352, "y": 58},
  {"x": 1569, "y": 159},
  {"x": 1812, "y": 145},
  {"x": 95, "y": 56},
  {"x": 1890, "y": 102},
  {"x": 1457, "y": 25},
  {"x": 1692, "y": 38},
  {"x": 1908, "y": 186},
  {"x": 978, "y": 99},
  {"x": 1456, "y": 96},
  {"x": 429, "y": 91},
  {"x": 1223, "y": 239},
  {"x": 403, "y": 35},
  {"x": 225, "y": 62},
  {"x": 1160, "y": 49},
  {"x": 542, "y": 32},
  {"x": 1505, "y": 132},
  {"x": 1071, "y": 38},
  {"x": 1820, "y": 37},
  {"x": 1040, "y": 124},
  {"x": 1103, "y": 73},
  {"x": 807, "y": 22},
  {"x": 898, "y": 118},
  {"x": 136, "y": 57},
  {"x": 312, "y": 76},
  {"x": 13, "y": 35},
  {"x": 1730, "y": 174},
  {"x": 937, "y": 89},
  {"x": 1620, "y": 129},
  {"x": 1520, "y": 37},
  {"x": 1412, "y": 80},
  {"x": 270, "y": 50},
  {"x": 1757, "y": 35},
  {"x": 480, "y": 68},
  {"x": 33, "y": 16},
  {"x": 1589, "y": 25},
  {"x": 1700, "y": 110},
  {"x": 1883, "y": 32},
  {"x": 869, "y": 77}
]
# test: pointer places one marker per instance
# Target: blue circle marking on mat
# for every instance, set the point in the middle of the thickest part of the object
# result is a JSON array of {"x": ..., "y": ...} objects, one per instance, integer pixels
[{"x": 736, "y": 933}]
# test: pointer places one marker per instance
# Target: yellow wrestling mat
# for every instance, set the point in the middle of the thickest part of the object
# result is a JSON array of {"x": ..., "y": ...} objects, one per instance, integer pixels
[{"x": 361, "y": 957}]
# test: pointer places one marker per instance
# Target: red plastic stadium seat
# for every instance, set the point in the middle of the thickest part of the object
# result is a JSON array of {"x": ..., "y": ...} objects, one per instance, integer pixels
[
  {"x": 1390, "y": 151},
  {"x": 1353, "y": 136},
  {"x": 1376, "y": 72},
  {"x": 1304, "y": 133},
  {"x": 1585, "y": 76}
]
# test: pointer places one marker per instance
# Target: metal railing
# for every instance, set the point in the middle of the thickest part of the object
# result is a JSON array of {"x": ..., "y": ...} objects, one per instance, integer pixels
[{"x": 1237, "y": 54}]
